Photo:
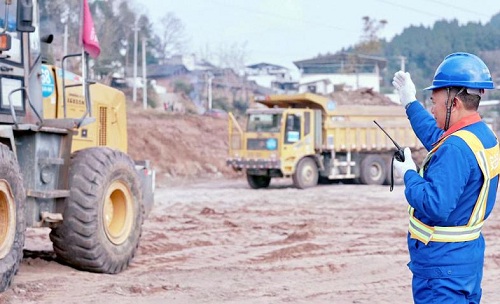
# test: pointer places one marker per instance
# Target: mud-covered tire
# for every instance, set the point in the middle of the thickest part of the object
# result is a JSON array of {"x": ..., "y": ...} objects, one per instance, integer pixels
[
  {"x": 258, "y": 181},
  {"x": 373, "y": 170},
  {"x": 306, "y": 174},
  {"x": 12, "y": 217},
  {"x": 103, "y": 216}
]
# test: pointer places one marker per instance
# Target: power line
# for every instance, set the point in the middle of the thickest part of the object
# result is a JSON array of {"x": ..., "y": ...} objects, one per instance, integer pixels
[
  {"x": 446, "y": 4},
  {"x": 265, "y": 13},
  {"x": 458, "y": 8},
  {"x": 410, "y": 8}
]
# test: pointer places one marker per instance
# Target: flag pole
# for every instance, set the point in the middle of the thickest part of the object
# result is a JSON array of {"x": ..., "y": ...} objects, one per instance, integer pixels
[
  {"x": 82, "y": 33},
  {"x": 90, "y": 47},
  {"x": 136, "y": 34}
]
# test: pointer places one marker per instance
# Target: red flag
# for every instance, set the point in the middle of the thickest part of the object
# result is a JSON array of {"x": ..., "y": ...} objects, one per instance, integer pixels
[{"x": 89, "y": 37}]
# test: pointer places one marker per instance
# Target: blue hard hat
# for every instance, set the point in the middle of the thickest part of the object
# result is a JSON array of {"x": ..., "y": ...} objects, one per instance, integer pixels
[{"x": 462, "y": 70}]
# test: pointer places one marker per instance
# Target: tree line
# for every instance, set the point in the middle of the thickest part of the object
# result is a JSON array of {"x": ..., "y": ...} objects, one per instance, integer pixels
[{"x": 423, "y": 48}]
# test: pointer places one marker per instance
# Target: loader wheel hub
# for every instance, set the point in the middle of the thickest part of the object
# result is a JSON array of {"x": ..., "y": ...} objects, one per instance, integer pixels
[
  {"x": 118, "y": 212},
  {"x": 7, "y": 218}
]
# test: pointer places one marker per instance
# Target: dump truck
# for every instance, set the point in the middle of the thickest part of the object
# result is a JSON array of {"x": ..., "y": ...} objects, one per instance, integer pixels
[
  {"x": 311, "y": 138},
  {"x": 63, "y": 156}
]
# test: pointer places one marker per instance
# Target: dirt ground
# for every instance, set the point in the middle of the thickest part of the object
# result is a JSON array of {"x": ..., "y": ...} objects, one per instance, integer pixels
[
  {"x": 211, "y": 239},
  {"x": 217, "y": 241}
]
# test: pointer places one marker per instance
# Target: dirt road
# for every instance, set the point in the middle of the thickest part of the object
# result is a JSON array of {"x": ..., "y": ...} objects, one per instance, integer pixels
[{"x": 220, "y": 242}]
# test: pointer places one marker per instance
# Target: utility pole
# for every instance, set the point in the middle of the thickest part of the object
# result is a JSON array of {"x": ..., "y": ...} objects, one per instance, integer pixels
[
  {"x": 136, "y": 34},
  {"x": 144, "y": 76},
  {"x": 210, "y": 78},
  {"x": 64, "y": 20},
  {"x": 65, "y": 42}
]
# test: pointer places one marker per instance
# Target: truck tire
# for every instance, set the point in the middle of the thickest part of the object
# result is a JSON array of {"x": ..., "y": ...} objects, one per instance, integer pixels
[
  {"x": 103, "y": 216},
  {"x": 12, "y": 217},
  {"x": 373, "y": 170},
  {"x": 306, "y": 174},
  {"x": 258, "y": 181}
]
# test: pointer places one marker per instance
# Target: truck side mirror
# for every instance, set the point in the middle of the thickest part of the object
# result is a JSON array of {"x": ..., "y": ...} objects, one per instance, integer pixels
[{"x": 25, "y": 16}]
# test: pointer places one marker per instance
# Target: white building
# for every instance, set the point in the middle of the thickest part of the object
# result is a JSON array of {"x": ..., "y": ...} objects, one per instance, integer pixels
[
  {"x": 271, "y": 76},
  {"x": 324, "y": 74}
]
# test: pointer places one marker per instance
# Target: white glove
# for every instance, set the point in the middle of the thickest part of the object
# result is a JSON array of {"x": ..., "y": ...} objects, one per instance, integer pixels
[
  {"x": 405, "y": 87},
  {"x": 408, "y": 164}
]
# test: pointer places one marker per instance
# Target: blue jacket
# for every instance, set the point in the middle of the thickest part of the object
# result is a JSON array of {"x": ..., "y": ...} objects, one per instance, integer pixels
[{"x": 446, "y": 196}]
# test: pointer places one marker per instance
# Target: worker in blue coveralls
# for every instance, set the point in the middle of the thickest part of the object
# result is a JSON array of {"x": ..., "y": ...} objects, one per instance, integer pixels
[{"x": 455, "y": 189}]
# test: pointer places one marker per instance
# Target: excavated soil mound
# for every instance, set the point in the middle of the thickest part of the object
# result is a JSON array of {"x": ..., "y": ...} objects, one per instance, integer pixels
[
  {"x": 179, "y": 145},
  {"x": 363, "y": 96}
]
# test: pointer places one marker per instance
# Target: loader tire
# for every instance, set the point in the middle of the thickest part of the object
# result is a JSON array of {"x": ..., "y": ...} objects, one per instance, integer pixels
[
  {"x": 103, "y": 216},
  {"x": 12, "y": 218},
  {"x": 373, "y": 170},
  {"x": 258, "y": 181},
  {"x": 306, "y": 174}
]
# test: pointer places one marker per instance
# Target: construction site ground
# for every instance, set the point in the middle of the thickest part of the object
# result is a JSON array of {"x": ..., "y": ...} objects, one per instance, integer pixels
[{"x": 212, "y": 239}]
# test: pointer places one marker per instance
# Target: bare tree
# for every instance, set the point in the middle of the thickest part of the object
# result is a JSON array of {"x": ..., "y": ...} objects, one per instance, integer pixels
[
  {"x": 370, "y": 42},
  {"x": 232, "y": 56},
  {"x": 172, "y": 37}
]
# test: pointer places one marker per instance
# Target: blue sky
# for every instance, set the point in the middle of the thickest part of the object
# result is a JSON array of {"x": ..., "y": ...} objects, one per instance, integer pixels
[{"x": 283, "y": 31}]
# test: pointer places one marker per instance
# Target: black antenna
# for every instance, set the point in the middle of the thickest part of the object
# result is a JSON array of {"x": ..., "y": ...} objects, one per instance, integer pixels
[{"x": 399, "y": 153}]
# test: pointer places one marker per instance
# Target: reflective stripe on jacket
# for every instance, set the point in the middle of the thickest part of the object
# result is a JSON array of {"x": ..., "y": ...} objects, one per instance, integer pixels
[{"x": 488, "y": 161}]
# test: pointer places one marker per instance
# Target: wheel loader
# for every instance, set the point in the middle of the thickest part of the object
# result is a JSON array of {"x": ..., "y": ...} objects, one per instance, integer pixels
[{"x": 63, "y": 157}]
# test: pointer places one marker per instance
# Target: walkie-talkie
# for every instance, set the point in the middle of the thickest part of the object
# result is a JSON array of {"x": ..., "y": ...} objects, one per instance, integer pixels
[{"x": 399, "y": 154}]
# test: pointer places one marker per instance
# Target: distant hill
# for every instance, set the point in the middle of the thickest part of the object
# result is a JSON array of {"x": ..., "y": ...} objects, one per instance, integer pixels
[{"x": 425, "y": 47}]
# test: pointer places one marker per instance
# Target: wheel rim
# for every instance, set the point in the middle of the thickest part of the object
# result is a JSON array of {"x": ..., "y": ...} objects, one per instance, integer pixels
[
  {"x": 376, "y": 171},
  {"x": 7, "y": 218},
  {"x": 308, "y": 174},
  {"x": 118, "y": 212}
]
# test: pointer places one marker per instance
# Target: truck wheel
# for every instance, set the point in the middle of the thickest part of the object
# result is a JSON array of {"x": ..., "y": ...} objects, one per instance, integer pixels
[
  {"x": 12, "y": 218},
  {"x": 103, "y": 216},
  {"x": 258, "y": 181},
  {"x": 373, "y": 170},
  {"x": 306, "y": 174}
]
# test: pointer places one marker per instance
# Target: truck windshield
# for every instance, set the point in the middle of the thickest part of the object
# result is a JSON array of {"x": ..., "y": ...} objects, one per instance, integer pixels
[{"x": 264, "y": 122}]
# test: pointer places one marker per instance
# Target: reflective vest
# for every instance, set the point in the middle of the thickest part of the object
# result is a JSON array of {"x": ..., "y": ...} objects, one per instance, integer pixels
[{"x": 488, "y": 160}]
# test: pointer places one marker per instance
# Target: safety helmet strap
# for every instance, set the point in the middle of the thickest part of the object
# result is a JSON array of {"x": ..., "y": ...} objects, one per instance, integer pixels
[{"x": 449, "y": 105}]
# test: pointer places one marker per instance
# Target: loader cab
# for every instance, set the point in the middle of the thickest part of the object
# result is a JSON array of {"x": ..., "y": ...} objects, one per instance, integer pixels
[{"x": 19, "y": 61}]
